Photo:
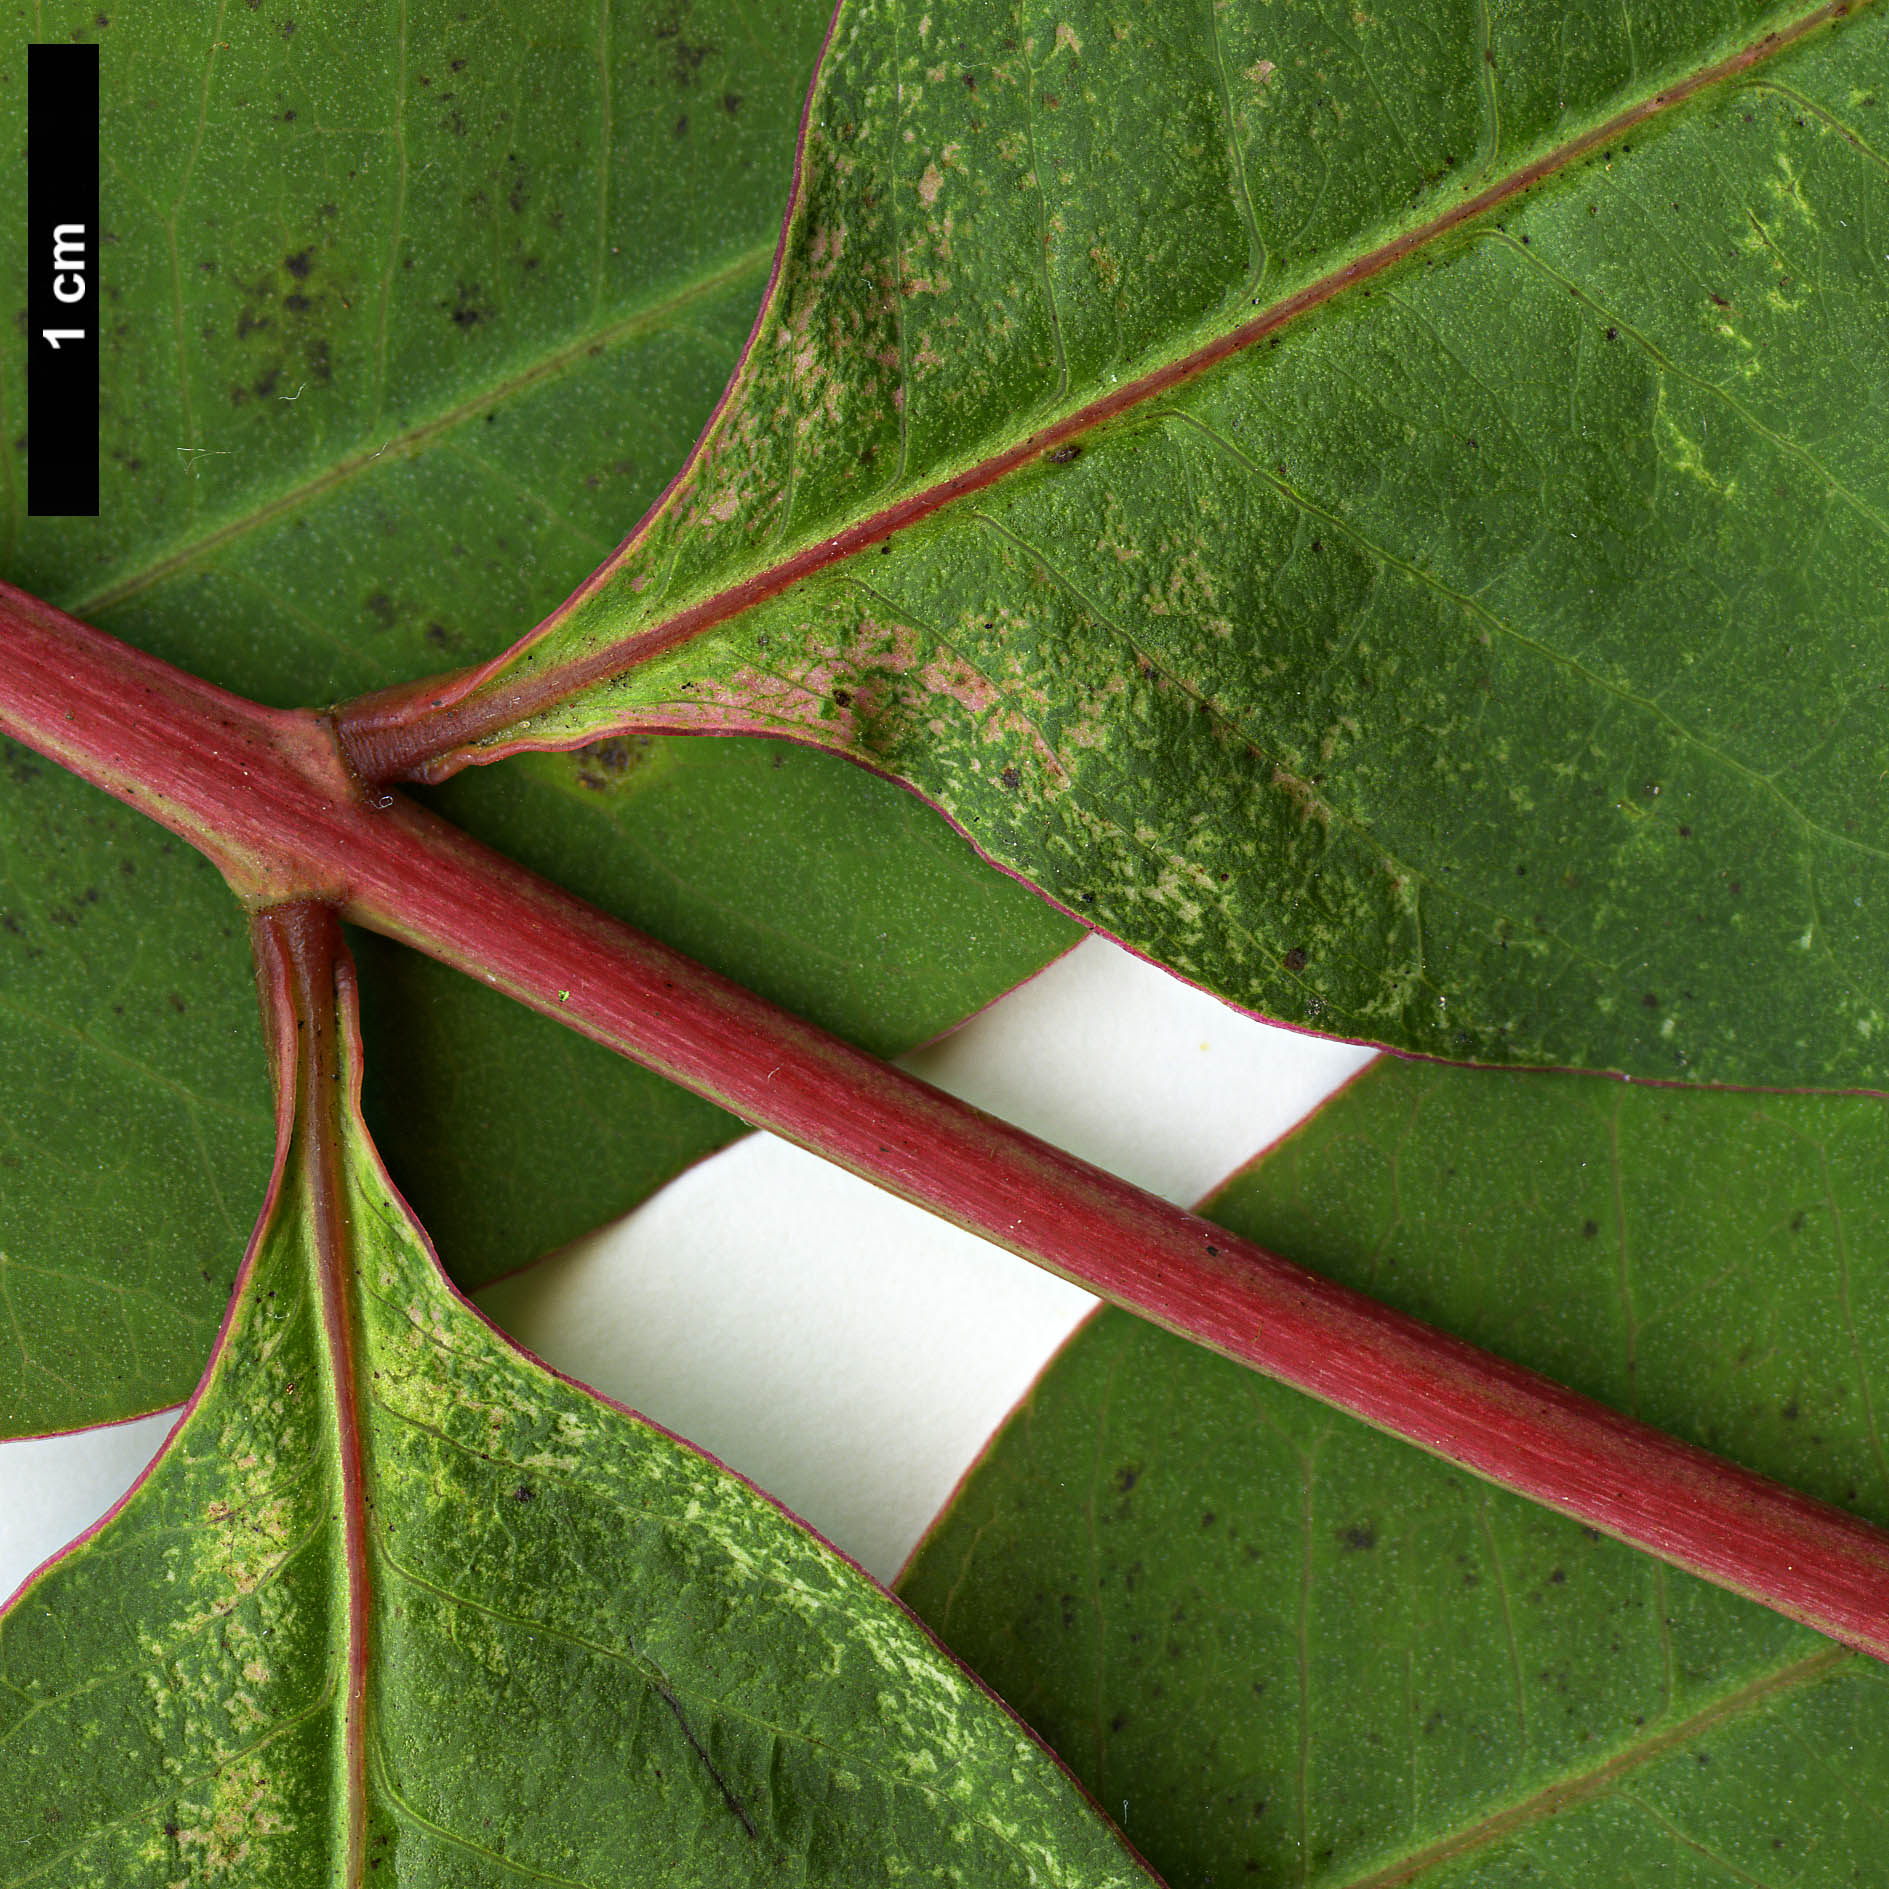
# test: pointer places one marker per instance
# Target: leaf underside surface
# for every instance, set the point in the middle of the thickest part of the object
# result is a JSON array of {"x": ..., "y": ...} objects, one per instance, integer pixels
[
  {"x": 584, "y": 1653},
  {"x": 1303, "y": 1652},
  {"x": 135, "y": 1125},
  {"x": 1483, "y": 660},
  {"x": 427, "y": 338},
  {"x": 1483, "y": 657}
]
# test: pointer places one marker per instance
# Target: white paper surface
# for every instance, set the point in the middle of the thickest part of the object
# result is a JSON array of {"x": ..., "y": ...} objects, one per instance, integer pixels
[{"x": 847, "y": 1352}]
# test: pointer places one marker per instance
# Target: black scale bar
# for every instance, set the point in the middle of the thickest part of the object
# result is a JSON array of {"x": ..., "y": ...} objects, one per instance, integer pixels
[{"x": 62, "y": 259}]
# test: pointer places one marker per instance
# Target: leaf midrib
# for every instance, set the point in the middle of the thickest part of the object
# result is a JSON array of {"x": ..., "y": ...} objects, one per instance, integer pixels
[
  {"x": 750, "y": 262},
  {"x": 1582, "y": 1787},
  {"x": 492, "y": 702}
]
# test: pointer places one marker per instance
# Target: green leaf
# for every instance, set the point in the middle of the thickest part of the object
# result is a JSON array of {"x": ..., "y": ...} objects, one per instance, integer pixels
[
  {"x": 1383, "y": 512},
  {"x": 408, "y": 312},
  {"x": 396, "y": 1594},
  {"x": 134, "y": 1106},
  {"x": 502, "y": 346},
  {"x": 1302, "y": 1650}
]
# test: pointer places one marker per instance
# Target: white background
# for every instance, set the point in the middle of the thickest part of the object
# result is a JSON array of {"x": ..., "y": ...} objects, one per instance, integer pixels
[{"x": 847, "y": 1352}]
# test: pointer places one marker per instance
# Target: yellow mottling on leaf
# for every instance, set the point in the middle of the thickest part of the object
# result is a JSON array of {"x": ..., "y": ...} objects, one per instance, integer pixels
[{"x": 243, "y": 1811}]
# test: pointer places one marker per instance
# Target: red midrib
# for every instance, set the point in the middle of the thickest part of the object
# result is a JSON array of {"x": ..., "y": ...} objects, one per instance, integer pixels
[
  {"x": 301, "y": 944},
  {"x": 422, "y": 730}
]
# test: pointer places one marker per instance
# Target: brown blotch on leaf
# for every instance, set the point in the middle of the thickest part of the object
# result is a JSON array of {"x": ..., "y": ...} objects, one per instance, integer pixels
[
  {"x": 1064, "y": 455},
  {"x": 1295, "y": 958}
]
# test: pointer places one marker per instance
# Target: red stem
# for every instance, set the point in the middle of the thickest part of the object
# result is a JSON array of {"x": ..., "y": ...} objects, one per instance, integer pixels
[{"x": 263, "y": 792}]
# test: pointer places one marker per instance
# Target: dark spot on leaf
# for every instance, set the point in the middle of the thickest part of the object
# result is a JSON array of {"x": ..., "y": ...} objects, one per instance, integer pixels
[
  {"x": 682, "y": 126},
  {"x": 604, "y": 763},
  {"x": 1613, "y": 334},
  {"x": 731, "y": 102},
  {"x": 1797, "y": 1221},
  {"x": 842, "y": 698},
  {"x": 297, "y": 304},
  {"x": 1650, "y": 1001},
  {"x": 524, "y": 1493},
  {"x": 248, "y": 324},
  {"x": 1295, "y": 958},
  {"x": 440, "y": 636},
  {"x": 1588, "y": 1229},
  {"x": 1064, "y": 455},
  {"x": 175, "y": 1002},
  {"x": 1359, "y": 1536},
  {"x": 299, "y": 264},
  {"x": 1558, "y": 1577},
  {"x": 382, "y": 606},
  {"x": 466, "y": 313},
  {"x": 687, "y": 55},
  {"x": 1010, "y": 777},
  {"x": 1126, "y": 1477}
]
